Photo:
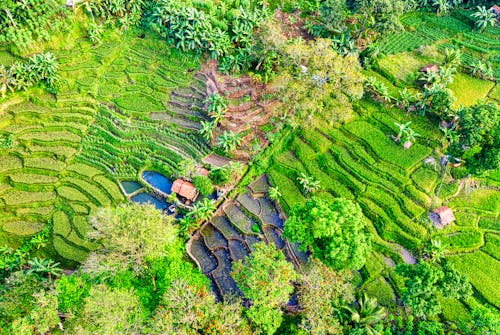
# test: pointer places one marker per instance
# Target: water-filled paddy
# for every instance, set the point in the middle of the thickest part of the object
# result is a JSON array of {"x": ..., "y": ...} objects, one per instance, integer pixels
[{"x": 158, "y": 181}]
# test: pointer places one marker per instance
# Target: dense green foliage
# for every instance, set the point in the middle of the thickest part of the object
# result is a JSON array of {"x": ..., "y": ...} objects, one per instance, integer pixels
[
  {"x": 425, "y": 281},
  {"x": 356, "y": 140},
  {"x": 224, "y": 32},
  {"x": 265, "y": 278},
  {"x": 23, "y": 75},
  {"x": 335, "y": 231},
  {"x": 23, "y": 23}
]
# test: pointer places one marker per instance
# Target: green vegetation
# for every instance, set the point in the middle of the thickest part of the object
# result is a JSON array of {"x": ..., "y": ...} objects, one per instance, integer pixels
[
  {"x": 338, "y": 237},
  {"x": 335, "y": 133}
]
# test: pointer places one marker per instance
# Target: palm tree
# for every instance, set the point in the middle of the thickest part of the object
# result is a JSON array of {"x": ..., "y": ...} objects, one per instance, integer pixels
[
  {"x": 453, "y": 57},
  {"x": 7, "y": 80},
  {"x": 445, "y": 75},
  {"x": 204, "y": 210},
  {"x": 309, "y": 184},
  {"x": 403, "y": 128},
  {"x": 442, "y": 6},
  {"x": 206, "y": 130},
  {"x": 405, "y": 98},
  {"x": 43, "y": 266},
  {"x": 409, "y": 137},
  {"x": 435, "y": 251},
  {"x": 450, "y": 135},
  {"x": 484, "y": 18},
  {"x": 429, "y": 77},
  {"x": 217, "y": 106},
  {"x": 367, "y": 315},
  {"x": 274, "y": 193},
  {"x": 229, "y": 141}
]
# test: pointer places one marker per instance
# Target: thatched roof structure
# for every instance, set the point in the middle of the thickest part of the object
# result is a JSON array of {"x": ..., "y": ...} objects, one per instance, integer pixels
[
  {"x": 185, "y": 189},
  {"x": 442, "y": 216},
  {"x": 496, "y": 9}
]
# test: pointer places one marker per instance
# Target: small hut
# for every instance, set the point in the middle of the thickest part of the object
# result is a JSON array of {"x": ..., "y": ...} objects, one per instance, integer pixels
[
  {"x": 442, "y": 216},
  {"x": 429, "y": 68},
  {"x": 185, "y": 189},
  {"x": 496, "y": 10}
]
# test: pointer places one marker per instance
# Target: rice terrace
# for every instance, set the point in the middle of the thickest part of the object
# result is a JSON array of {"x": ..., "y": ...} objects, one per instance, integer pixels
[{"x": 250, "y": 167}]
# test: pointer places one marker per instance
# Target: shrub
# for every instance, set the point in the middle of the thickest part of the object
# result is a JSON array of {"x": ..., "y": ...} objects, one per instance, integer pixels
[
  {"x": 204, "y": 185},
  {"x": 220, "y": 176}
]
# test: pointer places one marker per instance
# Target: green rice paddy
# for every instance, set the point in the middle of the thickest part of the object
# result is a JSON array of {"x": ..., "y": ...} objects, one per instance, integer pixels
[{"x": 70, "y": 149}]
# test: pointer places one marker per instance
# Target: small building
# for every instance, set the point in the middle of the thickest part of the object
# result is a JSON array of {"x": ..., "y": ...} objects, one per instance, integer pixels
[
  {"x": 496, "y": 10},
  {"x": 442, "y": 216},
  {"x": 429, "y": 68},
  {"x": 185, "y": 189}
]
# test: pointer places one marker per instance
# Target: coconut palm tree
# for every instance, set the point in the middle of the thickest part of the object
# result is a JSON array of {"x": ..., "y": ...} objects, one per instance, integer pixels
[
  {"x": 484, "y": 18},
  {"x": 42, "y": 267},
  {"x": 405, "y": 98},
  {"x": 403, "y": 128},
  {"x": 450, "y": 135},
  {"x": 367, "y": 315},
  {"x": 274, "y": 193},
  {"x": 206, "y": 130},
  {"x": 442, "y": 6},
  {"x": 7, "y": 80},
  {"x": 217, "y": 106},
  {"x": 204, "y": 209},
  {"x": 409, "y": 138},
  {"x": 452, "y": 57},
  {"x": 309, "y": 184},
  {"x": 229, "y": 141},
  {"x": 434, "y": 251}
]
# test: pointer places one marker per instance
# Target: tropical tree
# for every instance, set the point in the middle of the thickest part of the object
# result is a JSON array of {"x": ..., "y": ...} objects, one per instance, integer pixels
[
  {"x": 130, "y": 234},
  {"x": 403, "y": 128},
  {"x": 7, "y": 80},
  {"x": 405, "y": 98},
  {"x": 409, "y": 138},
  {"x": 42, "y": 267},
  {"x": 425, "y": 280},
  {"x": 106, "y": 310},
  {"x": 274, "y": 193},
  {"x": 207, "y": 130},
  {"x": 42, "y": 318},
  {"x": 434, "y": 251},
  {"x": 265, "y": 277},
  {"x": 484, "y": 18},
  {"x": 191, "y": 309},
  {"x": 308, "y": 183},
  {"x": 229, "y": 141},
  {"x": 452, "y": 57},
  {"x": 322, "y": 293},
  {"x": 442, "y": 6},
  {"x": 333, "y": 230},
  {"x": 311, "y": 83},
  {"x": 366, "y": 315},
  {"x": 203, "y": 184}
]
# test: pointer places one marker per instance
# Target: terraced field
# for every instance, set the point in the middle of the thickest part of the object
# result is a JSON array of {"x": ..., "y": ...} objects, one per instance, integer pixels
[
  {"x": 359, "y": 162},
  {"x": 116, "y": 114},
  {"x": 454, "y": 31},
  {"x": 229, "y": 236},
  {"x": 395, "y": 189}
]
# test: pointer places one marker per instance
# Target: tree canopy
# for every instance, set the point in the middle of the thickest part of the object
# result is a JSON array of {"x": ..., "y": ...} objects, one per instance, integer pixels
[
  {"x": 266, "y": 279},
  {"x": 333, "y": 230}
]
